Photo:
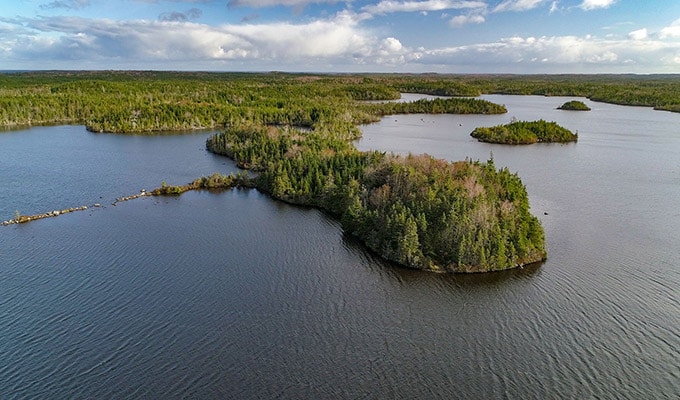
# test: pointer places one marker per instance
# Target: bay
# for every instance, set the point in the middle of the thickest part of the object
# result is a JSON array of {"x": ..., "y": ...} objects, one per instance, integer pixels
[{"x": 234, "y": 295}]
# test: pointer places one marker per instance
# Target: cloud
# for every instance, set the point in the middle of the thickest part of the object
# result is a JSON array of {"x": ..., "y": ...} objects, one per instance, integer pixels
[
  {"x": 392, "y": 6},
  {"x": 337, "y": 43},
  {"x": 462, "y": 20},
  {"x": 672, "y": 31},
  {"x": 594, "y": 4},
  {"x": 272, "y": 3},
  {"x": 639, "y": 34},
  {"x": 66, "y": 4},
  {"x": 251, "y": 17},
  {"x": 557, "y": 54},
  {"x": 176, "y": 1},
  {"x": 518, "y": 5},
  {"x": 336, "y": 40},
  {"x": 191, "y": 14},
  {"x": 391, "y": 45}
]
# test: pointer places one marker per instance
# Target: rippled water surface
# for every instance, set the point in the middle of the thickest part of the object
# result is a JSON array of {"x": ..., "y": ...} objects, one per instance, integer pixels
[{"x": 233, "y": 295}]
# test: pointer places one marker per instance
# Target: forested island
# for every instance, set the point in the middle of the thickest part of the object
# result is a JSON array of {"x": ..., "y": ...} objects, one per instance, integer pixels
[
  {"x": 296, "y": 132},
  {"x": 574, "y": 105},
  {"x": 525, "y": 132},
  {"x": 418, "y": 211}
]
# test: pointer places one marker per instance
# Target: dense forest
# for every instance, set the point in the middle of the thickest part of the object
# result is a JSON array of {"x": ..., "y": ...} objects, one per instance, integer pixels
[
  {"x": 146, "y": 101},
  {"x": 451, "y": 105},
  {"x": 460, "y": 217},
  {"x": 525, "y": 132},
  {"x": 659, "y": 91},
  {"x": 295, "y": 131}
]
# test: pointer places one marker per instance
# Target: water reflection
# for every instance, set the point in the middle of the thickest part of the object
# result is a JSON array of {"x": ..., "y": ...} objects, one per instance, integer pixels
[{"x": 408, "y": 276}]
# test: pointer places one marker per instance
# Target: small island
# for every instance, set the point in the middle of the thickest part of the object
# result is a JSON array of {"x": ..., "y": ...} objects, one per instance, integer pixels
[
  {"x": 525, "y": 132},
  {"x": 574, "y": 105}
]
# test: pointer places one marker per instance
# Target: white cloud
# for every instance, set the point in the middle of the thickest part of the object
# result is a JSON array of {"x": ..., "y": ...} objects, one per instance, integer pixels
[
  {"x": 391, "y": 6},
  {"x": 518, "y": 5},
  {"x": 593, "y": 4},
  {"x": 337, "y": 43},
  {"x": 462, "y": 20},
  {"x": 557, "y": 54},
  {"x": 639, "y": 34},
  {"x": 338, "y": 39},
  {"x": 392, "y": 45},
  {"x": 672, "y": 31}
]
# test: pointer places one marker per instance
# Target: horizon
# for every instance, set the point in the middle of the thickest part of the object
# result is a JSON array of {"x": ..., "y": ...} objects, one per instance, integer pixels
[
  {"x": 291, "y": 72},
  {"x": 327, "y": 36}
]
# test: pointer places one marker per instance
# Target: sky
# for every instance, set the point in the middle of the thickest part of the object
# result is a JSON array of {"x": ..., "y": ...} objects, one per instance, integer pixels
[{"x": 443, "y": 36}]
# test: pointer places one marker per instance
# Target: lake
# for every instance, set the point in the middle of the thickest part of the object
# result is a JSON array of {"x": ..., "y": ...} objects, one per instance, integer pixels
[{"x": 234, "y": 295}]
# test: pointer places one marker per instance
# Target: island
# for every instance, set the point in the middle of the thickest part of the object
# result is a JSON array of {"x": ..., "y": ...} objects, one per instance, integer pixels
[
  {"x": 415, "y": 210},
  {"x": 574, "y": 105},
  {"x": 524, "y": 132}
]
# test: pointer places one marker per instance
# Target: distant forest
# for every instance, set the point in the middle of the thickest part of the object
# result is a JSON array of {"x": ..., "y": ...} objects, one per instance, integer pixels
[{"x": 146, "y": 101}]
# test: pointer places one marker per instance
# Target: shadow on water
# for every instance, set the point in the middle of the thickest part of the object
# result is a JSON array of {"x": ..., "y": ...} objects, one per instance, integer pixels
[
  {"x": 179, "y": 132},
  {"x": 15, "y": 128},
  {"x": 407, "y": 276}
]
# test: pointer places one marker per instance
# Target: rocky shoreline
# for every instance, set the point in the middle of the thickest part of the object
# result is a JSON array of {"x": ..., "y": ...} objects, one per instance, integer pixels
[{"x": 22, "y": 219}]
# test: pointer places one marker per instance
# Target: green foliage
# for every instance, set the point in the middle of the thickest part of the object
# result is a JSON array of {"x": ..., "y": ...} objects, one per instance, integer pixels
[
  {"x": 574, "y": 105},
  {"x": 147, "y": 102},
  {"x": 524, "y": 132},
  {"x": 438, "y": 106},
  {"x": 431, "y": 214},
  {"x": 417, "y": 211},
  {"x": 297, "y": 166},
  {"x": 436, "y": 86},
  {"x": 214, "y": 181}
]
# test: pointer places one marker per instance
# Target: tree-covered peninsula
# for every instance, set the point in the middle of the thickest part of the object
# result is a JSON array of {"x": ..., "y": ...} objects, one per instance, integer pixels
[
  {"x": 574, "y": 105},
  {"x": 418, "y": 211},
  {"x": 525, "y": 132}
]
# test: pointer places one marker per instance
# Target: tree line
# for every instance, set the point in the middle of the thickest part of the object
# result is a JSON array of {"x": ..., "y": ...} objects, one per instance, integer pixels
[{"x": 148, "y": 102}]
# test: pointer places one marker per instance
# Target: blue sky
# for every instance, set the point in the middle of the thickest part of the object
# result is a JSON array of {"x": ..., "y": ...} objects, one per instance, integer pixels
[{"x": 447, "y": 36}]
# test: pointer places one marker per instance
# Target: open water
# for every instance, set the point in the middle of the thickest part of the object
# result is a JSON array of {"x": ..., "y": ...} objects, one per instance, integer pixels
[{"x": 234, "y": 295}]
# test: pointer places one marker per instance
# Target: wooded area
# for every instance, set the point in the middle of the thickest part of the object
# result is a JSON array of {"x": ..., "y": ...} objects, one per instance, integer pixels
[
  {"x": 296, "y": 130},
  {"x": 147, "y": 101}
]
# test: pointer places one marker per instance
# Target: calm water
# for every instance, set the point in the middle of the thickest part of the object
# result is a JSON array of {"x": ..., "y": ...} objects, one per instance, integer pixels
[{"x": 233, "y": 295}]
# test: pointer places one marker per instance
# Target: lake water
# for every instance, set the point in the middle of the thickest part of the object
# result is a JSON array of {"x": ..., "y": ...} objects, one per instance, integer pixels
[{"x": 234, "y": 295}]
